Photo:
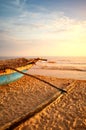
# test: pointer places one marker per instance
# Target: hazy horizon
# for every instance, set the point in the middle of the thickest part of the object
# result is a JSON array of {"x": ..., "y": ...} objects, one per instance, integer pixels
[{"x": 44, "y": 56}]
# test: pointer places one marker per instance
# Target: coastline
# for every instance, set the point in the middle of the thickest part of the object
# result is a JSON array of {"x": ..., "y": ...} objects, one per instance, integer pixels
[
  {"x": 63, "y": 74},
  {"x": 25, "y": 95}
]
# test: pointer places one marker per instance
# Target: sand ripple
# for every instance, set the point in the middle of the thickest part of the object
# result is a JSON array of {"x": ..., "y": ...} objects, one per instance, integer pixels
[
  {"x": 25, "y": 95},
  {"x": 68, "y": 113}
]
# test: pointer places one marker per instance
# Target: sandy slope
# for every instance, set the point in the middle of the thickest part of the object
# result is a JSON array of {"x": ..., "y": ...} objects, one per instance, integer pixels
[
  {"x": 66, "y": 113},
  {"x": 25, "y": 95}
]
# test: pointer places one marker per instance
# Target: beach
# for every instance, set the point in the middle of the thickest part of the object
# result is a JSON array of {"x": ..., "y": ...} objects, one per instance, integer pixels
[
  {"x": 42, "y": 64},
  {"x": 51, "y": 97},
  {"x": 32, "y": 104},
  {"x": 67, "y": 112}
]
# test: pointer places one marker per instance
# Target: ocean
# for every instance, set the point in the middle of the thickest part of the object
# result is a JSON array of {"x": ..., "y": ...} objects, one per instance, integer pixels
[{"x": 61, "y": 67}]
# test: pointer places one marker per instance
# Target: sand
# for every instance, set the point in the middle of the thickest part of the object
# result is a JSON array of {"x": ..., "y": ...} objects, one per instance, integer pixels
[{"x": 27, "y": 104}]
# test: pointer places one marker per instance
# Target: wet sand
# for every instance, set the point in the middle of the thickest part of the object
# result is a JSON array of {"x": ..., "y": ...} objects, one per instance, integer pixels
[{"x": 22, "y": 98}]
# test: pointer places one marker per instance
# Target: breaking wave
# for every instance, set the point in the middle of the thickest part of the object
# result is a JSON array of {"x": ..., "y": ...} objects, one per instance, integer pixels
[
  {"x": 71, "y": 64},
  {"x": 62, "y": 68}
]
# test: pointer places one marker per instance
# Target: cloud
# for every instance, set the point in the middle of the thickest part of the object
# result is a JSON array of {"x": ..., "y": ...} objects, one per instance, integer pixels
[
  {"x": 30, "y": 25},
  {"x": 9, "y": 9},
  {"x": 30, "y": 30}
]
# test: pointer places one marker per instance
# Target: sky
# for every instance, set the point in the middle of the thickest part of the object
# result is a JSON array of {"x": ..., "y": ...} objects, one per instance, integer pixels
[{"x": 42, "y": 27}]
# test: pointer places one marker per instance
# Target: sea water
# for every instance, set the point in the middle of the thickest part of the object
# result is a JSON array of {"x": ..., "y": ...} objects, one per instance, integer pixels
[{"x": 61, "y": 67}]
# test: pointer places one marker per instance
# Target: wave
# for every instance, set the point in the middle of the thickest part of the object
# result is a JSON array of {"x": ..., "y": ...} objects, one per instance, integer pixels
[
  {"x": 64, "y": 63},
  {"x": 70, "y": 68}
]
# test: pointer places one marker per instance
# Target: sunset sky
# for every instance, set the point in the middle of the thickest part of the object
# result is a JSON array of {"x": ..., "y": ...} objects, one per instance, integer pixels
[{"x": 42, "y": 27}]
